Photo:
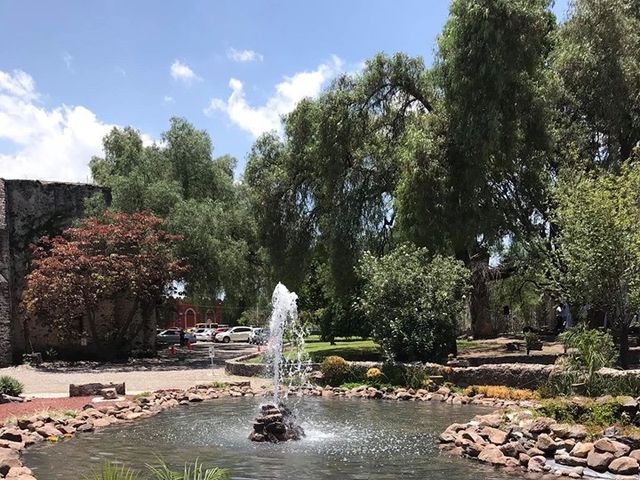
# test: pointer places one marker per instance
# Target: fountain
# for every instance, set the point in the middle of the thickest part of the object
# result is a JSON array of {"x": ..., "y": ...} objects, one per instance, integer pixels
[{"x": 276, "y": 422}]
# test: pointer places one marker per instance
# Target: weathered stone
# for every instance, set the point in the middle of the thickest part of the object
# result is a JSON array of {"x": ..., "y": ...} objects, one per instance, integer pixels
[
  {"x": 102, "y": 422},
  {"x": 493, "y": 420},
  {"x": 48, "y": 430},
  {"x": 495, "y": 435},
  {"x": 546, "y": 443},
  {"x": 541, "y": 425},
  {"x": 635, "y": 454},
  {"x": 94, "y": 389},
  {"x": 563, "y": 458},
  {"x": 624, "y": 466},
  {"x": 492, "y": 455},
  {"x": 109, "y": 393},
  {"x": 537, "y": 464},
  {"x": 523, "y": 458},
  {"x": 618, "y": 449},
  {"x": 599, "y": 461},
  {"x": 582, "y": 449},
  {"x": 11, "y": 434}
]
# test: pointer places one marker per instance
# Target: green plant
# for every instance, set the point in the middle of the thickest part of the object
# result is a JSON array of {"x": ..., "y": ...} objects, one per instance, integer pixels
[
  {"x": 141, "y": 395},
  {"x": 195, "y": 471},
  {"x": 587, "y": 412},
  {"x": 10, "y": 386},
  {"x": 413, "y": 301},
  {"x": 50, "y": 354},
  {"x": 70, "y": 413},
  {"x": 532, "y": 341},
  {"x": 111, "y": 471},
  {"x": 588, "y": 350},
  {"x": 335, "y": 370},
  {"x": 217, "y": 384},
  {"x": 352, "y": 385}
]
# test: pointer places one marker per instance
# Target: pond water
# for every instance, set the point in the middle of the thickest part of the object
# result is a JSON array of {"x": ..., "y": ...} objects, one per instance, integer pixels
[{"x": 346, "y": 439}]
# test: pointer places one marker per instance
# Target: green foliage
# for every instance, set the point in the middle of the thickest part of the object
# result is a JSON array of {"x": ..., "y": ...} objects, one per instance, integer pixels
[
  {"x": 10, "y": 386},
  {"x": 161, "y": 471},
  {"x": 335, "y": 370},
  {"x": 562, "y": 384},
  {"x": 195, "y": 471},
  {"x": 141, "y": 395},
  {"x": 413, "y": 302},
  {"x": 112, "y": 471},
  {"x": 589, "y": 349},
  {"x": 593, "y": 412},
  {"x": 600, "y": 244}
]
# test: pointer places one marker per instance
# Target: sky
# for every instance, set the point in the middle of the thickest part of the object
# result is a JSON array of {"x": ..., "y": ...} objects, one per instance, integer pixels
[{"x": 71, "y": 70}]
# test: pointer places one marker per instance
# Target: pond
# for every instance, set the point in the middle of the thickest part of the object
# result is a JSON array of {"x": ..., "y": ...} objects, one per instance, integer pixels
[{"x": 346, "y": 439}]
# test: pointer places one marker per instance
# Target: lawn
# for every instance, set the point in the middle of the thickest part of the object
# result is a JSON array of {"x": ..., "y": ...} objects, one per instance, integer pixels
[{"x": 349, "y": 349}]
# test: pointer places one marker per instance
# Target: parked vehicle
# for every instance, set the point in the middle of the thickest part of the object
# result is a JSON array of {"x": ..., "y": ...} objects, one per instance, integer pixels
[
  {"x": 235, "y": 334},
  {"x": 172, "y": 337},
  {"x": 259, "y": 336},
  {"x": 204, "y": 334},
  {"x": 220, "y": 329}
]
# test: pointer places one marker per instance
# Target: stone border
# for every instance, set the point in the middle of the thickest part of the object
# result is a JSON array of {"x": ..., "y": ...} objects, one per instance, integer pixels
[{"x": 521, "y": 442}]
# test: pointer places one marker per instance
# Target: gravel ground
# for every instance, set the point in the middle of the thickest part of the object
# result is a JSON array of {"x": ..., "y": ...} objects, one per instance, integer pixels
[
  {"x": 37, "y": 405},
  {"x": 56, "y": 384}
]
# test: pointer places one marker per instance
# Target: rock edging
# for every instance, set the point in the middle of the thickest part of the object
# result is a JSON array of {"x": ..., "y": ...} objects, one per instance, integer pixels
[{"x": 520, "y": 441}]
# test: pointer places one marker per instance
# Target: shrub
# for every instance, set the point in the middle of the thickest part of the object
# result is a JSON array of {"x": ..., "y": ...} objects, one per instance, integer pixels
[
  {"x": 10, "y": 386},
  {"x": 335, "y": 370},
  {"x": 111, "y": 471},
  {"x": 413, "y": 302},
  {"x": 586, "y": 412},
  {"x": 373, "y": 374},
  {"x": 195, "y": 471},
  {"x": 505, "y": 393}
]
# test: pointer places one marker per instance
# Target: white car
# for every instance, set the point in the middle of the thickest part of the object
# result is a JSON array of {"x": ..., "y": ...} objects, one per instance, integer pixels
[
  {"x": 204, "y": 334},
  {"x": 235, "y": 334}
]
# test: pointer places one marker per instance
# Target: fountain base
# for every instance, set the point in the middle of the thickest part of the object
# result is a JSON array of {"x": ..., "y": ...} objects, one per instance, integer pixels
[{"x": 275, "y": 424}]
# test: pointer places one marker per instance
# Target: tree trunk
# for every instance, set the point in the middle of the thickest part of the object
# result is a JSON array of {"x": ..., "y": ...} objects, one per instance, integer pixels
[
  {"x": 623, "y": 342},
  {"x": 480, "y": 307}
]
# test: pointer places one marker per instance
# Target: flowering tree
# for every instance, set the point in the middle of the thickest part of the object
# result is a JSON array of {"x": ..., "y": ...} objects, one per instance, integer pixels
[{"x": 126, "y": 260}]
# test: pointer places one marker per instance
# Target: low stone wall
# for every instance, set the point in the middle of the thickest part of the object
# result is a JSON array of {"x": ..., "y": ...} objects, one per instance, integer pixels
[{"x": 240, "y": 367}]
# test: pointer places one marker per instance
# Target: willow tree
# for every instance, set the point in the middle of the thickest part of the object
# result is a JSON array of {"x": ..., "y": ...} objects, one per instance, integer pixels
[
  {"x": 477, "y": 170},
  {"x": 326, "y": 188}
]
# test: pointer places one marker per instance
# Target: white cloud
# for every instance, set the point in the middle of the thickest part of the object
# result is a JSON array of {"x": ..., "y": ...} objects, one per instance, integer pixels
[
  {"x": 168, "y": 99},
  {"x": 243, "y": 56},
  {"x": 260, "y": 119},
  {"x": 47, "y": 144},
  {"x": 183, "y": 73},
  {"x": 67, "y": 58}
]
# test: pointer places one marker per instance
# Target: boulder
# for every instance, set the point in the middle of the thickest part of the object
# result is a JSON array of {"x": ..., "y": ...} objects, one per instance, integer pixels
[
  {"x": 582, "y": 449},
  {"x": 495, "y": 435},
  {"x": 492, "y": 455},
  {"x": 599, "y": 461},
  {"x": 624, "y": 466},
  {"x": 618, "y": 449},
  {"x": 546, "y": 443},
  {"x": 11, "y": 434},
  {"x": 537, "y": 464},
  {"x": 48, "y": 430},
  {"x": 109, "y": 393}
]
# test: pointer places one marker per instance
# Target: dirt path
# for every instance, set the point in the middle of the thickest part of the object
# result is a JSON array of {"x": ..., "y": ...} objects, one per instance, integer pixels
[{"x": 56, "y": 384}]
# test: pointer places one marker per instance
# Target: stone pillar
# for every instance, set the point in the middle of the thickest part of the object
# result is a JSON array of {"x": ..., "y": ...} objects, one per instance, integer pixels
[{"x": 6, "y": 351}]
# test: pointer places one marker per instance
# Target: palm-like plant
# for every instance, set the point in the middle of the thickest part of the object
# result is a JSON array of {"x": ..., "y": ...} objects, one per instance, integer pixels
[{"x": 161, "y": 471}]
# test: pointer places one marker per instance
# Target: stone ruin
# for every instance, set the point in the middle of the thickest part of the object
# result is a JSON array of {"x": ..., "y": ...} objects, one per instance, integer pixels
[{"x": 275, "y": 424}]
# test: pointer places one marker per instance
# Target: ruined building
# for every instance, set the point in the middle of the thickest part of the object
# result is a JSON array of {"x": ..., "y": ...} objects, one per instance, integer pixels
[{"x": 29, "y": 209}]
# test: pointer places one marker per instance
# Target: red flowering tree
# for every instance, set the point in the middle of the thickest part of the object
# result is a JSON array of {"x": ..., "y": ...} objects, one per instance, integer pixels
[{"x": 126, "y": 261}]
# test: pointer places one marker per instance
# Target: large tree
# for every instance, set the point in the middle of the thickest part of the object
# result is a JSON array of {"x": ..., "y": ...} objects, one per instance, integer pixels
[
  {"x": 196, "y": 193},
  {"x": 126, "y": 261},
  {"x": 478, "y": 169}
]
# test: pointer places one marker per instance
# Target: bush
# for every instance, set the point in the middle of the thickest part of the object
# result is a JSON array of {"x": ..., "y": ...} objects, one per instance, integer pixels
[
  {"x": 504, "y": 393},
  {"x": 335, "y": 370},
  {"x": 589, "y": 412},
  {"x": 413, "y": 302},
  {"x": 10, "y": 386},
  {"x": 562, "y": 384},
  {"x": 196, "y": 471}
]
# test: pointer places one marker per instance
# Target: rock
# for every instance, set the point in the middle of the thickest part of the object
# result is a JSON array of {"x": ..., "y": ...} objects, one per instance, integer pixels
[
  {"x": 94, "y": 389},
  {"x": 635, "y": 454},
  {"x": 582, "y": 449},
  {"x": 546, "y": 443},
  {"x": 624, "y": 466},
  {"x": 537, "y": 464},
  {"x": 563, "y": 458},
  {"x": 495, "y": 436},
  {"x": 599, "y": 461},
  {"x": 523, "y": 458},
  {"x": 11, "y": 434},
  {"x": 194, "y": 398},
  {"x": 579, "y": 432},
  {"x": 108, "y": 393},
  {"x": 541, "y": 425},
  {"x": 512, "y": 449},
  {"x": 48, "y": 430},
  {"x": 618, "y": 449},
  {"x": 101, "y": 422},
  {"x": 493, "y": 420},
  {"x": 472, "y": 436},
  {"x": 85, "y": 427},
  {"x": 492, "y": 455}
]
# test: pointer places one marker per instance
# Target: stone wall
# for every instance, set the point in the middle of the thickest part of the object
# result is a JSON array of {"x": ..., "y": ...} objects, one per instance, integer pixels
[{"x": 29, "y": 209}]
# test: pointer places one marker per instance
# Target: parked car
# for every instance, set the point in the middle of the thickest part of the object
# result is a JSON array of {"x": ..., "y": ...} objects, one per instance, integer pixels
[
  {"x": 204, "y": 334},
  {"x": 235, "y": 334},
  {"x": 259, "y": 336},
  {"x": 172, "y": 336}
]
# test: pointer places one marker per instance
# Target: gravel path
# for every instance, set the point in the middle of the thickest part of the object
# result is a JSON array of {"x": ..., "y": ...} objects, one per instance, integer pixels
[{"x": 56, "y": 384}]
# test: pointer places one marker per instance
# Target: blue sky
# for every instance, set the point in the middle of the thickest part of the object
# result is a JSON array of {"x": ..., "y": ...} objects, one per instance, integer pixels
[{"x": 70, "y": 70}]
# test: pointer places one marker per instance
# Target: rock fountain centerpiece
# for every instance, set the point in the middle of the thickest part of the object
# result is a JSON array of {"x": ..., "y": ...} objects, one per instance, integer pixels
[{"x": 276, "y": 422}]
